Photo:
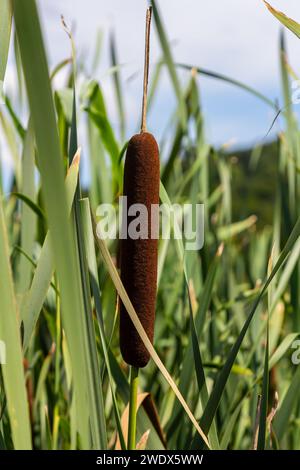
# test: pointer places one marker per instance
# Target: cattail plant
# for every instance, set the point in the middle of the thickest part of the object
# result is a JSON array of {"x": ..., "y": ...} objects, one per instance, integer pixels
[{"x": 139, "y": 256}]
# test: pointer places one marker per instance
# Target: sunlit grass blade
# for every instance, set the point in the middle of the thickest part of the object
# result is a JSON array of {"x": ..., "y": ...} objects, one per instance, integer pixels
[
  {"x": 194, "y": 334},
  {"x": 10, "y": 136},
  {"x": 221, "y": 381},
  {"x": 97, "y": 416},
  {"x": 230, "y": 81},
  {"x": 5, "y": 30},
  {"x": 285, "y": 20},
  {"x": 12, "y": 366},
  {"x": 154, "y": 84},
  {"x": 170, "y": 64},
  {"x": 287, "y": 406},
  {"x": 92, "y": 267},
  {"x": 117, "y": 85},
  {"x": 34, "y": 299},
  {"x": 96, "y": 110},
  {"x": 15, "y": 119},
  {"x": 229, "y": 427},
  {"x": 262, "y": 432},
  {"x": 179, "y": 134},
  {"x": 33, "y": 206},
  {"x": 51, "y": 169},
  {"x": 186, "y": 372},
  {"x": 229, "y": 231},
  {"x": 28, "y": 226},
  {"x": 282, "y": 349}
]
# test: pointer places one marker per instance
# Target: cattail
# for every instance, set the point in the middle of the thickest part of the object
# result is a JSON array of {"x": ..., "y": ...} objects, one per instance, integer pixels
[{"x": 139, "y": 256}]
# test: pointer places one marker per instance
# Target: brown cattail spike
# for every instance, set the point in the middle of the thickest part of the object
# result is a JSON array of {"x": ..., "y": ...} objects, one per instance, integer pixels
[{"x": 139, "y": 256}]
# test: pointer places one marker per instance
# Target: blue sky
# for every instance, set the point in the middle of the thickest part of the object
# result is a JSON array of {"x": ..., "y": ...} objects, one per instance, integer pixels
[{"x": 238, "y": 38}]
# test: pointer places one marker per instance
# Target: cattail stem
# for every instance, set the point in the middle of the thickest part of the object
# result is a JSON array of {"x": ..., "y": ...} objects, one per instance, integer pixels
[
  {"x": 134, "y": 378},
  {"x": 146, "y": 68}
]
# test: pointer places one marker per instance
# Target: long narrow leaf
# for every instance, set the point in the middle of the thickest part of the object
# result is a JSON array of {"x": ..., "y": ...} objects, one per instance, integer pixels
[
  {"x": 51, "y": 169},
  {"x": 13, "y": 372}
]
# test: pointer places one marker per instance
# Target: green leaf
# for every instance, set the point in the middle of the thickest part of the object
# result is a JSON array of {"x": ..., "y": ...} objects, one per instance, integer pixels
[
  {"x": 93, "y": 273},
  {"x": 97, "y": 110},
  {"x": 229, "y": 231},
  {"x": 28, "y": 226},
  {"x": 5, "y": 30},
  {"x": 95, "y": 396},
  {"x": 285, "y": 20},
  {"x": 287, "y": 406},
  {"x": 52, "y": 180},
  {"x": 221, "y": 381},
  {"x": 107, "y": 134},
  {"x": 187, "y": 371},
  {"x": 230, "y": 81},
  {"x": 282, "y": 349},
  {"x": 34, "y": 208},
  {"x": 65, "y": 98},
  {"x": 230, "y": 426},
  {"x": 117, "y": 84},
  {"x": 12, "y": 370},
  {"x": 170, "y": 64},
  {"x": 35, "y": 297},
  {"x": 261, "y": 442}
]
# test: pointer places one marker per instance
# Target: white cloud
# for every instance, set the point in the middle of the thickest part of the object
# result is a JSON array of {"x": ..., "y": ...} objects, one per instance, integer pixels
[{"x": 238, "y": 38}]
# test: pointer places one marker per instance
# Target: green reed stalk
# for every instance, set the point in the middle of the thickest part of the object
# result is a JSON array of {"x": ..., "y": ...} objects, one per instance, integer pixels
[{"x": 134, "y": 379}]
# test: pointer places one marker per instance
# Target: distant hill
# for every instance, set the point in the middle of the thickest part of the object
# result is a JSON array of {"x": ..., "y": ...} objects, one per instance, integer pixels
[{"x": 254, "y": 183}]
